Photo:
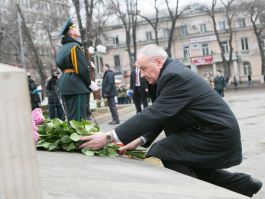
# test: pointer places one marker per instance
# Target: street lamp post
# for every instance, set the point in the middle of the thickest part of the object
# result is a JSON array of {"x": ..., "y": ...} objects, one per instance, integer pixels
[{"x": 97, "y": 52}]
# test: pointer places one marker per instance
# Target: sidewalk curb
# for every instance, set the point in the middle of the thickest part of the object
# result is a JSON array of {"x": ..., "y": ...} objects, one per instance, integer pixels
[{"x": 107, "y": 116}]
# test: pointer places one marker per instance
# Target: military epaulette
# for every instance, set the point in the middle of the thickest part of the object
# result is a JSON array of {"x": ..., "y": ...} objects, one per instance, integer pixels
[{"x": 74, "y": 59}]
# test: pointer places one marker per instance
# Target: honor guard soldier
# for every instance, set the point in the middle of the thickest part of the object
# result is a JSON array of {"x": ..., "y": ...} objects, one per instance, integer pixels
[{"x": 73, "y": 85}]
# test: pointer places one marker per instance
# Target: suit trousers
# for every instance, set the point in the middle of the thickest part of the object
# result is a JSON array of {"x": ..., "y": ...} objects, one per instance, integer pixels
[
  {"x": 113, "y": 109},
  {"x": 139, "y": 95},
  {"x": 237, "y": 182}
]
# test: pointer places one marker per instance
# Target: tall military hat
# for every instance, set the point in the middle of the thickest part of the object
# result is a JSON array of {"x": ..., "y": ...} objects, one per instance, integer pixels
[{"x": 67, "y": 25}]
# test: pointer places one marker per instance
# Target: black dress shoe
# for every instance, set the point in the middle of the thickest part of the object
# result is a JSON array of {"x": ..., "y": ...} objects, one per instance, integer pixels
[
  {"x": 257, "y": 184},
  {"x": 254, "y": 186},
  {"x": 114, "y": 122},
  {"x": 111, "y": 122}
]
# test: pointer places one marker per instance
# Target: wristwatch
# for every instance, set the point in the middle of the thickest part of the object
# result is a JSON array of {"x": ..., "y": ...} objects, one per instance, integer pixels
[{"x": 108, "y": 138}]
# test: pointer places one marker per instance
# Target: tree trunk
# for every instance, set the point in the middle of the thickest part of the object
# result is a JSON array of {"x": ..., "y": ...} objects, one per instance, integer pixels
[{"x": 33, "y": 49}]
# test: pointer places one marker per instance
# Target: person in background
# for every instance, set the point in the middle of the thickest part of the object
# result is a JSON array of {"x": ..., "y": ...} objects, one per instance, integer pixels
[
  {"x": 74, "y": 83},
  {"x": 219, "y": 83},
  {"x": 54, "y": 105},
  {"x": 109, "y": 91},
  {"x": 122, "y": 95},
  {"x": 250, "y": 84},
  {"x": 139, "y": 87},
  {"x": 235, "y": 82},
  {"x": 202, "y": 133},
  {"x": 34, "y": 96}
]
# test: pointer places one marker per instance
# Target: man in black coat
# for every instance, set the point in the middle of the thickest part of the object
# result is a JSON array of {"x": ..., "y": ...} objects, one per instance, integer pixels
[
  {"x": 139, "y": 87},
  {"x": 34, "y": 96},
  {"x": 109, "y": 91},
  {"x": 202, "y": 133},
  {"x": 219, "y": 83},
  {"x": 54, "y": 104}
]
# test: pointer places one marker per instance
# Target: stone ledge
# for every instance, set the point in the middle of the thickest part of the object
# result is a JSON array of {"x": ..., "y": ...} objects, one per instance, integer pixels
[{"x": 75, "y": 176}]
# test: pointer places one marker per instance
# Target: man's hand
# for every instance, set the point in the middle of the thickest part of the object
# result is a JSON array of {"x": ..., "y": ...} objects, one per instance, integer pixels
[
  {"x": 96, "y": 141},
  {"x": 132, "y": 145}
]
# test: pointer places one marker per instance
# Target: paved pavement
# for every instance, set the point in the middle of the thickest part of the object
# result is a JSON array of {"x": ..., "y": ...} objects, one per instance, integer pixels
[{"x": 74, "y": 176}]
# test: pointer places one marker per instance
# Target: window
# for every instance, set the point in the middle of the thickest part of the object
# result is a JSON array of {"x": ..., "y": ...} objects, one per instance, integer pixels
[
  {"x": 203, "y": 27},
  {"x": 242, "y": 22},
  {"x": 117, "y": 62},
  {"x": 205, "y": 49},
  {"x": 148, "y": 36},
  {"x": 221, "y": 25},
  {"x": 183, "y": 30},
  {"x": 244, "y": 43},
  {"x": 225, "y": 46},
  {"x": 115, "y": 41},
  {"x": 247, "y": 68},
  {"x": 166, "y": 33},
  {"x": 186, "y": 51}
]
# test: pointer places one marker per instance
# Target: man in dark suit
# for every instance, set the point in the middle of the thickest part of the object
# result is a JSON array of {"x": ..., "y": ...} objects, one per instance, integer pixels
[
  {"x": 109, "y": 91},
  {"x": 202, "y": 133},
  {"x": 139, "y": 87}
]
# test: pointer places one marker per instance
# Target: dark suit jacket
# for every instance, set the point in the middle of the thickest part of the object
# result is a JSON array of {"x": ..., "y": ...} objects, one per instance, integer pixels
[
  {"x": 132, "y": 81},
  {"x": 201, "y": 129},
  {"x": 108, "y": 84}
]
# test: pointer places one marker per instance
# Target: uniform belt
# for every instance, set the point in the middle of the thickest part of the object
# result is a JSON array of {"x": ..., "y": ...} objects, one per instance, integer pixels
[{"x": 69, "y": 70}]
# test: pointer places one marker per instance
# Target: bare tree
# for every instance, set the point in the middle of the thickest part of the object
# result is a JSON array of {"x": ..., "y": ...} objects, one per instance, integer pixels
[
  {"x": 79, "y": 20},
  {"x": 153, "y": 23},
  {"x": 32, "y": 48},
  {"x": 229, "y": 14},
  {"x": 9, "y": 47},
  {"x": 133, "y": 8},
  {"x": 128, "y": 19},
  {"x": 174, "y": 15},
  {"x": 101, "y": 16},
  {"x": 256, "y": 11},
  {"x": 50, "y": 22}
]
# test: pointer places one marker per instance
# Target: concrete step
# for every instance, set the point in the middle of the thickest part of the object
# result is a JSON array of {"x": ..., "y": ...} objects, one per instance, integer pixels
[{"x": 75, "y": 176}]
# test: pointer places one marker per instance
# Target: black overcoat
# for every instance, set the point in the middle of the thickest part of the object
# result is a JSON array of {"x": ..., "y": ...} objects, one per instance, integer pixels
[
  {"x": 108, "y": 84},
  {"x": 200, "y": 128}
]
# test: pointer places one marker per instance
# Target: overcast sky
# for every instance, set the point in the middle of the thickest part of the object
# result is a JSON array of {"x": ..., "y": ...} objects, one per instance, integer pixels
[{"x": 147, "y": 6}]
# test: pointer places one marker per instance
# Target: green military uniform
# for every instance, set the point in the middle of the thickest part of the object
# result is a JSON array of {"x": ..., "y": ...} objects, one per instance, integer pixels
[{"x": 74, "y": 82}]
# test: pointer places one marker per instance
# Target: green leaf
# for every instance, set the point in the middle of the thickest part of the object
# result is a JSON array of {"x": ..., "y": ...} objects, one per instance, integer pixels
[
  {"x": 54, "y": 146},
  {"x": 75, "y": 137},
  {"x": 88, "y": 152},
  {"x": 88, "y": 128},
  {"x": 76, "y": 125},
  {"x": 57, "y": 122},
  {"x": 70, "y": 147},
  {"x": 112, "y": 152},
  {"x": 65, "y": 139},
  {"x": 45, "y": 145}
]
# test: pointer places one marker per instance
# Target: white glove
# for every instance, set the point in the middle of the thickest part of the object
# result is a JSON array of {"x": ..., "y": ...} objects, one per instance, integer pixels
[{"x": 93, "y": 86}]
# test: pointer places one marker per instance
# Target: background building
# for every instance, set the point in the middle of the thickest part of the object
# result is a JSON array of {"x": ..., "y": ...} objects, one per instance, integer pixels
[{"x": 195, "y": 43}]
